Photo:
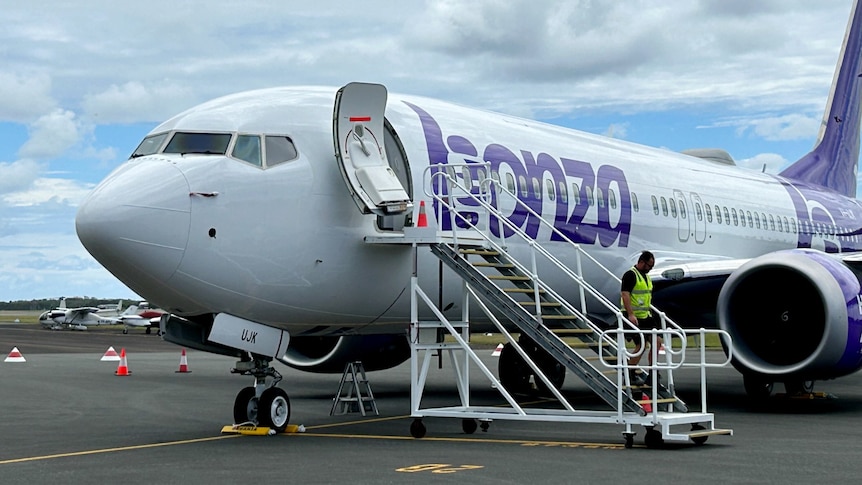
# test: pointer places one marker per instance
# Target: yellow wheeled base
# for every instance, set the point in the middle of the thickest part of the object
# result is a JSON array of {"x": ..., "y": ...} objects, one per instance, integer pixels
[{"x": 252, "y": 430}]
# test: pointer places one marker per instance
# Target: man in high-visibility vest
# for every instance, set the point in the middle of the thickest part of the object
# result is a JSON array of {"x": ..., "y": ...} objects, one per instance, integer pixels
[{"x": 636, "y": 297}]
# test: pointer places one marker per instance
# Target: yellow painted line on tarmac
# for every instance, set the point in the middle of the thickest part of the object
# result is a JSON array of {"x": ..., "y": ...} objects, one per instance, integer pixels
[
  {"x": 115, "y": 450},
  {"x": 525, "y": 443}
]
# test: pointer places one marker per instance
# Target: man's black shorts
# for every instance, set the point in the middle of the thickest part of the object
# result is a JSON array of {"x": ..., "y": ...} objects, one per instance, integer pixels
[{"x": 648, "y": 323}]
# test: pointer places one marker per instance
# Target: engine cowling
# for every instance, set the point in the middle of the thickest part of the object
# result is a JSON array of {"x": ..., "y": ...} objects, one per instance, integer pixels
[
  {"x": 330, "y": 354},
  {"x": 793, "y": 314}
]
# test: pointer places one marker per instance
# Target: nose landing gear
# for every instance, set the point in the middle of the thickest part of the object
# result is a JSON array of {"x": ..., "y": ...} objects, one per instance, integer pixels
[{"x": 263, "y": 404}]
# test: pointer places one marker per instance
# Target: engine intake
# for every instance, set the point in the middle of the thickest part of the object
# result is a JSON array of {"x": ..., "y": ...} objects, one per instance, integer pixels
[{"x": 793, "y": 314}]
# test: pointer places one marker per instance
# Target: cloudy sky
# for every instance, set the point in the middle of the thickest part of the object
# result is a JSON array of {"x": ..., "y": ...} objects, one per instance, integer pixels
[{"x": 82, "y": 82}]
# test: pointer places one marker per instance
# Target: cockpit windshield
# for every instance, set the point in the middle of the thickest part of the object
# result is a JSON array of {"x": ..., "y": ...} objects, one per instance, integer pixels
[
  {"x": 204, "y": 143},
  {"x": 150, "y": 145}
]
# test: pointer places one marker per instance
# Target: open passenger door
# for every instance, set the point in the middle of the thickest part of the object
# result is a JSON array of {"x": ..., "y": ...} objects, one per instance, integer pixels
[{"x": 357, "y": 124}]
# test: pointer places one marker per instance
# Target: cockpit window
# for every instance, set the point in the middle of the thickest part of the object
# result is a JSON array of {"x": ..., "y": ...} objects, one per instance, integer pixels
[
  {"x": 279, "y": 149},
  {"x": 247, "y": 148},
  {"x": 150, "y": 145},
  {"x": 204, "y": 143}
]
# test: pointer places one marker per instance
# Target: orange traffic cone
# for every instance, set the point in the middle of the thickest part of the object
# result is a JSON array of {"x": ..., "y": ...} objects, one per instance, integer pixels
[
  {"x": 184, "y": 363},
  {"x": 497, "y": 351},
  {"x": 423, "y": 219},
  {"x": 646, "y": 403},
  {"x": 123, "y": 368},
  {"x": 15, "y": 356}
]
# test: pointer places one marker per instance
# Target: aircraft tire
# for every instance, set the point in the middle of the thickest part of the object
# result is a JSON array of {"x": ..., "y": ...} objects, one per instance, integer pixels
[
  {"x": 245, "y": 407},
  {"x": 757, "y": 388},
  {"x": 793, "y": 388},
  {"x": 274, "y": 409},
  {"x": 513, "y": 371}
]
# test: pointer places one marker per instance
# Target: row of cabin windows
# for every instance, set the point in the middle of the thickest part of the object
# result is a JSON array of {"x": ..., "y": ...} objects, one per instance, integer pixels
[{"x": 661, "y": 205}]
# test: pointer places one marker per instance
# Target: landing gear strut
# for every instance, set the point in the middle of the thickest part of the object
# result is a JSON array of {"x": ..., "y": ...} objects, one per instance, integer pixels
[{"x": 262, "y": 404}]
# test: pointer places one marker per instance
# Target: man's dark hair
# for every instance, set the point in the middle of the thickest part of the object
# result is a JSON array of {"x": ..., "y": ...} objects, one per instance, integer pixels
[{"x": 645, "y": 256}]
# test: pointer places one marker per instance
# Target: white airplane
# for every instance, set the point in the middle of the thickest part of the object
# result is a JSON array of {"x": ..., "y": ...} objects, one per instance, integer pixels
[
  {"x": 63, "y": 318},
  {"x": 142, "y": 316},
  {"x": 250, "y": 237}
]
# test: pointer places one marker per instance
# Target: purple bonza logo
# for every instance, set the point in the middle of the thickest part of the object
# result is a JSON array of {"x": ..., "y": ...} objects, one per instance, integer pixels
[{"x": 604, "y": 221}]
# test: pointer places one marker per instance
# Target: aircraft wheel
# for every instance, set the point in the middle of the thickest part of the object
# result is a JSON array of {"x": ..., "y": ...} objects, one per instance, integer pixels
[
  {"x": 798, "y": 387},
  {"x": 417, "y": 429},
  {"x": 757, "y": 387},
  {"x": 125, "y": 331},
  {"x": 245, "y": 406},
  {"x": 148, "y": 330},
  {"x": 469, "y": 425},
  {"x": 513, "y": 371},
  {"x": 274, "y": 409}
]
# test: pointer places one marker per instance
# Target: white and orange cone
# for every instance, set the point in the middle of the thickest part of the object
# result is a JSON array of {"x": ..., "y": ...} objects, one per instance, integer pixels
[
  {"x": 497, "y": 351},
  {"x": 423, "y": 218},
  {"x": 15, "y": 356},
  {"x": 110, "y": 355},
  {"x": 184, "y": 363},
  {"x": 123, "y": 367}
]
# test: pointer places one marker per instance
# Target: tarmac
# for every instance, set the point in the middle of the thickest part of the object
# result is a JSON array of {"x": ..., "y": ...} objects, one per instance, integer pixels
[{"x": 65, "y": 417}]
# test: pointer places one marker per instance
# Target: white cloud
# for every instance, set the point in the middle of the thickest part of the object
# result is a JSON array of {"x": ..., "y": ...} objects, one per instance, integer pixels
[
  {"x": 51, "y": 135},
  {"x": 764, "y": 162},
  {"x": 24, "y": 97},
  {"x": 45, "y": 190},
  {"x": 617, "y": 130},
  {"x": 787, "y": 127},
  {"x": 135, "y": 101},
  {"x": 18, "y": 175}
]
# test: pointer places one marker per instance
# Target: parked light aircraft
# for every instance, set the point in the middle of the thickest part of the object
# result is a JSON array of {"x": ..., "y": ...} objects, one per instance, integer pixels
[
  {"x": 63, "y": 318},
  {"x": 141, "y": 315},
  {"x": 251, "y": 239}
]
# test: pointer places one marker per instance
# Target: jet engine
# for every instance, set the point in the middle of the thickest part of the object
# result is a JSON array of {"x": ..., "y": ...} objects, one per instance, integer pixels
[
  {"x": 794, "y": 316},
  {"x": 330, "y": 354}
]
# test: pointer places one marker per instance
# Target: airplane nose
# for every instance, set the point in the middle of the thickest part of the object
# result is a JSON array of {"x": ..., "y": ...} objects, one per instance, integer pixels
[{"x": 136, "y": 222}]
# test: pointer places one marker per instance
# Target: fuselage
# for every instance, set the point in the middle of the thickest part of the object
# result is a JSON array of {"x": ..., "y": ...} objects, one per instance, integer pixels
[{"x": 284, "y": 245}]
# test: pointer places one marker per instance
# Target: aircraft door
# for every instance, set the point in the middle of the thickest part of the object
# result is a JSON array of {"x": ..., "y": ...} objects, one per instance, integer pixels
[
  {"x": 699, "y": 218},
  {"x": 682, "y": 216},
  {"x": 360, "y": 150}
]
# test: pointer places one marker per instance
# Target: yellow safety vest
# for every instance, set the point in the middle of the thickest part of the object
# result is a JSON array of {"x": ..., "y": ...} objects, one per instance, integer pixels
[{"x": 641, "y": 295}]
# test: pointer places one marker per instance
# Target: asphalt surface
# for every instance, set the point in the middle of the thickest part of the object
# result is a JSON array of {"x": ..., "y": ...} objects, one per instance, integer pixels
[{"x": 65, "y": 417}]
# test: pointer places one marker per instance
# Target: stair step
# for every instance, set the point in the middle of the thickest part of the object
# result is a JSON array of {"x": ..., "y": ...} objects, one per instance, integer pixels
[
  {"x": 522, "y": 290},
  {"x": 486, "y": 264},
  {"x": 508, "y": 277},
  {"x": 570, "y": 331},
  {"x": 549, "y": 304},
  {"x": 481, "y": 252},
  {"x": 564, "y": 317},
  {"x": 664, "y": 400}
]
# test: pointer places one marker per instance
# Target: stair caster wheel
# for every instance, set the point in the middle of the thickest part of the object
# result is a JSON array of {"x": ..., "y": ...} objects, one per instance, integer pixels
[
  {"x": 484, "y": 424},
  {"x": 653, "y": 439},
  {"x": 469, "y": 425},
  {"x": 630, "y": 439},
  {"x": 700, "y": 439},
  {"x": 417, "y": 429}
]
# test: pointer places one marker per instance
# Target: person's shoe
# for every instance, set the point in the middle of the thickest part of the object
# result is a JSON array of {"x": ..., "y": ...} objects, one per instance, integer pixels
[{"x": 637, "y": 377}]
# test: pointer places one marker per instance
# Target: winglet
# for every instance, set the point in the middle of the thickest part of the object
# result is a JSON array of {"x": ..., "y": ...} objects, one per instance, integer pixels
[{"x": 834, "y": 160}]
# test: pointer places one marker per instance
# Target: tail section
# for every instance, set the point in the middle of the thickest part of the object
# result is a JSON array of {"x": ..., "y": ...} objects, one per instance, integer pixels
[{"x": 834, "y": 160}]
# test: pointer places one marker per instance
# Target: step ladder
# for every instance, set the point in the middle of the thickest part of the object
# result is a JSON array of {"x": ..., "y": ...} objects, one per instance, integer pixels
[{"x": 354, "y": 392}]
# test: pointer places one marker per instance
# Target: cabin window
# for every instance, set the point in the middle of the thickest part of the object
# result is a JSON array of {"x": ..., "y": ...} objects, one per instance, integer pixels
[
  {"x": 682, "y": 213},
  {"x": 467, "y": 175},
  {"x": 708, "y": 212},
  {"x": 698, "y": 212},
  {"x": 771, "y": 222},
  {"x": 741, "y": 217},
  {"x": 792, "y": 224},
  {"x": 664, "y": 206},
  {"x": 149, "y": 145},
  {"x": 635, "y": 205},
  {"x": 279, "y": 149},
  {"x": 750, "y": 220},
  {"x": 717, "y": 214},
  {"x": 589, "y": 195},
  {"x": 564, "y": 194},
  {"x": 763, "y": 216},
  {"x": 726, "y": 215},
  {"x": 200, "y": 143},
  {"x": 247, "y": 149},
  {"x": 735, "y": 217},
  {"x": 537, "y": 188},
  {"x": 576, "y": 194},
  {"x": 654, "y": 204},
  {"x": 612, "y": 198},
  {"x": 672, "y": 208},
  {"x": 600, "y": 197},
  {"x": 522, "y": 183},
  {"x": 549, "y": 184},
  {"x": 510, "y": 183}
]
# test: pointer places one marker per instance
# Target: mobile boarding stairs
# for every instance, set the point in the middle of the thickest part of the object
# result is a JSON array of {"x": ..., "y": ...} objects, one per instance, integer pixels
[{"x": 501, "y": 285}]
